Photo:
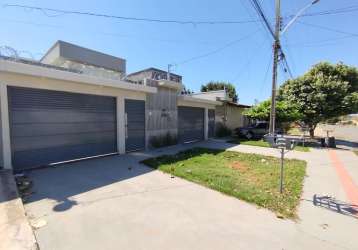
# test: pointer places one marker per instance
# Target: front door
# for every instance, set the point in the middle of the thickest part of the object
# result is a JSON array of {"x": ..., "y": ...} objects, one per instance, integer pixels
[{"x": 135, "y": 125}]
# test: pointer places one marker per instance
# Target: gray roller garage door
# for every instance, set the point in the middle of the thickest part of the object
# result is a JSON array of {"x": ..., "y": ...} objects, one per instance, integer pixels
[
  {"x": 135, "y": 125},
  {"x": 190, "y": 124},
  {"x": 52, "y": 126},
  {"x": 211, "y": 126}
]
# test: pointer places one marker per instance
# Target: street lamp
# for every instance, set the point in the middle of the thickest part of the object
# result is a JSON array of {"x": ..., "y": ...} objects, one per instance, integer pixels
[{"x": 298, "y": 15}]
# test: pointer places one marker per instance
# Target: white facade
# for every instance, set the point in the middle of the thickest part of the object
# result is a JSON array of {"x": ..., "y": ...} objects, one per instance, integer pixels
[
  {"x": 227, "y": 113},
  {"x": 20, "y": 74}
]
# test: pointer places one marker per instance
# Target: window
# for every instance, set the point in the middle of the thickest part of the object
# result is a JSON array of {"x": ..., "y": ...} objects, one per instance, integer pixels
[{"x": 261, "y": 125}]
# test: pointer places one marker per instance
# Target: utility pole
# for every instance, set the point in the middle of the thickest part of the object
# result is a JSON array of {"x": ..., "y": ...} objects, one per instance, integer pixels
[{"x": 276, "y": 49}]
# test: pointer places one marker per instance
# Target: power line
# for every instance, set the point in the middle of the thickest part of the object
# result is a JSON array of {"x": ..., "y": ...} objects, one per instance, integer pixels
[
  {"x": 217, "y": 50},
  {"x": 255, "y": 3},
  {"x": 328, "y": 28},
  {"x": 68, "y": 12},
  {"x": 285, "y": 64},
  {"x": 266, "y": 74},
  {"x": 128, "y": 36},
  {"x": 248, "y": 62},
  {"x": 321, "y": 42},
  {"x": 260, "y": 12},
  {"x": 343, "y": 10}
]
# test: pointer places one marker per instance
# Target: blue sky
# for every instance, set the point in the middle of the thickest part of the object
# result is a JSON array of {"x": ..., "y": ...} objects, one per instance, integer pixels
[{"x": 247, "y": 63}]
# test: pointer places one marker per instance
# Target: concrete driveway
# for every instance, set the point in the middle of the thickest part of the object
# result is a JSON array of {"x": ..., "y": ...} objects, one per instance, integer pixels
[{"x": 117, "y": 203}]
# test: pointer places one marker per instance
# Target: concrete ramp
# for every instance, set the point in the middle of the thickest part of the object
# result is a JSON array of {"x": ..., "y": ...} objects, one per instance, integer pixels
[{"x": 15, "y": 230}]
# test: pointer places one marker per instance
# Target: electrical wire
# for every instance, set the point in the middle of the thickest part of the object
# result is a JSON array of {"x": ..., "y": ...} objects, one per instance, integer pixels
[
  {"x": 127, "y": 36},
  {"x": 320, "y": 42},
  {"x": 285, "y": 64},
  {"x": 262, "y": 15},
  {"x": 266, "y": 74},
  {"x": 255, "y": 3},
  {"x": 216, "y": 50},
  {"x": 68, "y": 12},
  {"x": 328, "y": 28},
  {"x": 343, "y": 10},
  {"x": 248, "y": 62}
]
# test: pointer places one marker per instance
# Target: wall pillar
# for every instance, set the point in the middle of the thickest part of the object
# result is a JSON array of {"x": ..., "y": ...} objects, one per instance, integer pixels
[
  {"x": 206, "y": 124},
  {"x": 5, "y": 127},
  {"x": 121, "y": 129}
]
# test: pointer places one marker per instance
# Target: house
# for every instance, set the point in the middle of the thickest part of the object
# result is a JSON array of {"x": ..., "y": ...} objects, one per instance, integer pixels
[
  {"x": 173, "y": 117},
  {"x": 228, "y": 114},
  {"x": 154, "y": 74},
  {"x": 77, "y": 103}
]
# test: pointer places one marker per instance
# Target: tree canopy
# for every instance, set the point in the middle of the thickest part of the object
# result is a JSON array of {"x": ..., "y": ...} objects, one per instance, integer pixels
[
  {"x": 285, "y": 112},
  {"x": 186, "y": 91},
  {"x": 230, "y": 88},
  {"x": 324, "y": 92}
]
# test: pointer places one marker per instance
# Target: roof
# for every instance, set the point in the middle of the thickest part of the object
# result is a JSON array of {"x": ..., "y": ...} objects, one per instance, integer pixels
[
  {"x": 215, "y": 95},
  {"x": 238, "y": 105},
  {"x": 198, "y": 100},
  {"x": 211, "y": 91},
  {"x": 83, "y": 55},
  {"x": 32, "y": 68},
  {"x": 152, "y": 69},
  {"x": 37, "y": 63}
]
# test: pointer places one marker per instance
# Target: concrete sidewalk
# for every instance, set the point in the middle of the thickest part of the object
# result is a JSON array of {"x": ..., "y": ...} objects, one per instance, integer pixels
[
  {"x": 15, "y": 231},
  {"x": 117, "y": 203},
  {"x": 338, "y": 229}
]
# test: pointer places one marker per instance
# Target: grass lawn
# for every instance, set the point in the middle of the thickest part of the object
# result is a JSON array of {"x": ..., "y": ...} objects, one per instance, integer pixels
[
  {"x": 250, "y": 177},
  {"x": 262, "y": 143}
]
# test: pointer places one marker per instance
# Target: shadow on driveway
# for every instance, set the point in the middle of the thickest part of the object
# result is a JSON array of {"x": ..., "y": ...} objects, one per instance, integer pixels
[
  {"x": 64, "y": 181},
  {"x": 61, "y": 182}
]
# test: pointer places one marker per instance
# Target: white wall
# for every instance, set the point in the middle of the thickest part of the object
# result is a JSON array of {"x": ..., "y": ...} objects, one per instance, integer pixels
[
  {"x": 5, "y": 127},
  {"x": 230, "y": 115}
]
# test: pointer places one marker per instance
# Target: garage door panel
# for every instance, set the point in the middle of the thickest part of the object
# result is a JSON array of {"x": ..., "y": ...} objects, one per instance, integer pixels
[
  {"x": 39, "y": 142},
  {"x": 51, "y": 126},
  {"x": 136, "y": 118},
  {"x": 40, "y": 157},
  {"x": 136, "y": 134},
  {"x": 191, "y": 124},
  {"x": 43, "y": 129},
  {"x": 136, "y": 126},
  {"x": 36, "y": 98},
  {"x": 54, "y": 116}
]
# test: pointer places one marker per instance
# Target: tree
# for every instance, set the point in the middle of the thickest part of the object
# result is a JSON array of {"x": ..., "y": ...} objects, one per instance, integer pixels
[
  {"x": 324, "y": 92},
  {"x": 186, "y": 91},
  {"x": 285, "y": 112},
  {"x": 230, "y": 88}
]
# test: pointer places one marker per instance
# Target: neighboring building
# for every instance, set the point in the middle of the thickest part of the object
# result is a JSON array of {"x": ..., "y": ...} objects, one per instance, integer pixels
[
  {"x": 171, "y": 117},
  {"x": 229, "y": 113},
  {"x": 162, "y": 109},
  {"x": 75, "y": 104},
  {"x": 85, "y": 60},
  {"x": 154, "y": 74}
]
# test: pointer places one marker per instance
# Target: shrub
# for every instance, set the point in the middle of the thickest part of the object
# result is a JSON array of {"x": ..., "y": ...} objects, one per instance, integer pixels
[
  {"x": 222, "y": 130},
  {"x": 163, "y": 140}
]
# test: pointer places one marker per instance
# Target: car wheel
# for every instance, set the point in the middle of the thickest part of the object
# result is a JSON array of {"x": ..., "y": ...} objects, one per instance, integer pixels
[{"x": 249, "y": 135}]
